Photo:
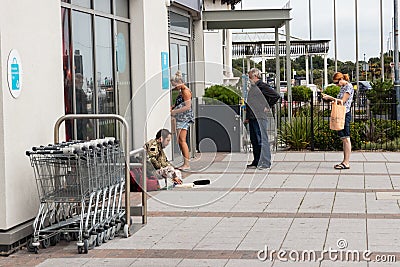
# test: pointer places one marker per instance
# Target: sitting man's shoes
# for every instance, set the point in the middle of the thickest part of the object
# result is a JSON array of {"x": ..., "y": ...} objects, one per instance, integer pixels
[{"x": 251, "y": 166}]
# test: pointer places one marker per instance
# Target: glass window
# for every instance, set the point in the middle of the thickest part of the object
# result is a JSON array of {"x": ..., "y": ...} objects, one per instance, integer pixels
[
  {"x": 174, "y": 59},
  {"x": 83, "y": 61},
  {"x": 179, "y": 23},
  {"x": 82, "y": 3},
  {"x": 183, "y": 66},
  {"x": 122, "y": 8},
  {"x": 104, "y": 74},
  {"x": 92, "y": 60},
  {"x": 123, "y": 68},
  {"x": 103, "y": 5},
  {"x": 179, "y": 59},
  {"x": 67, "y": 71}
]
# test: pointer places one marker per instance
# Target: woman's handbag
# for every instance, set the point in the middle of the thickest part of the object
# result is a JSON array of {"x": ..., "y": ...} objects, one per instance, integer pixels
[{"x": 338, "y": 115}]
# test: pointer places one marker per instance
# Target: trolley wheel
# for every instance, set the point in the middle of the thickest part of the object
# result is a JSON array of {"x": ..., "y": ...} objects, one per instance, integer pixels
[
  {"x": 55, "y": 239},
  {"x": 67, "y": 237},
  {"x": 99, "y": 239},
  {"x": 85, "y": 246},
  {"x": 107, "y": 234},
  {"x": 92, "y": 242},
  {"x": 126, "y": 230},
  {"x": 30, "y": 247},
  {"x": 74, "y": 236},
  {"x": 118, "y": 227},
  {"x": 45, "y": 243},
  {"x": 112, "y": 232}
]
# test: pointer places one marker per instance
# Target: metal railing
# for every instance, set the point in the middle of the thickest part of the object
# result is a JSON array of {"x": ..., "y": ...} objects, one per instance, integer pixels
[{"x": 373, "y": 126}]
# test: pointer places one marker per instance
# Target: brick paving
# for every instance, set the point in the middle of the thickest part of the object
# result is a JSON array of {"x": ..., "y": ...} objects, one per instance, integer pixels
[{"x": 301, "y": 204}]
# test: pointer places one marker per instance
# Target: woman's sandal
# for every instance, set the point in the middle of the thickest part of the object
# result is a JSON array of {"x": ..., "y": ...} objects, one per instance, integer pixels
[
  {"x": 341, "y": 166},
  {"x": 184, "y": 169}
]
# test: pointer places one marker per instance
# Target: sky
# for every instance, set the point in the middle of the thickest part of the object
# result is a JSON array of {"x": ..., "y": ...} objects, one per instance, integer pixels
[{"x": 322, "y": 26}]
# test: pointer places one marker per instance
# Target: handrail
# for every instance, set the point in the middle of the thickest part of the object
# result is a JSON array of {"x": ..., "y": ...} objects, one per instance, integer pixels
[{"x": 144, "y": 184}]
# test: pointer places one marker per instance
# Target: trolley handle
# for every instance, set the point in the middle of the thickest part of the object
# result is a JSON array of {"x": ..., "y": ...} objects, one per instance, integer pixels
[
  {"x": 43, "y": 152},
  {"x": 69, "y": 150},
  {"x": 49, "y": 147}
]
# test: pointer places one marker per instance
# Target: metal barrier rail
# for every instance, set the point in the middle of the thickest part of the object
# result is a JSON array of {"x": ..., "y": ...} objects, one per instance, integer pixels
[
  {"x": 143, "y": 212},
  {"x": 128, "y": 208}
]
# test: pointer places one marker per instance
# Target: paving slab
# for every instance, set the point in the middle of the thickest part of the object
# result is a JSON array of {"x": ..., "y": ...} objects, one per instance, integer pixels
[{"x": 302, "y": 203}]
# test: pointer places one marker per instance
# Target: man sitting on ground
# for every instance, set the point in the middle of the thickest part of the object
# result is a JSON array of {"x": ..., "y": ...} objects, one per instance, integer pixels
[{"x": 157, "y": 157}]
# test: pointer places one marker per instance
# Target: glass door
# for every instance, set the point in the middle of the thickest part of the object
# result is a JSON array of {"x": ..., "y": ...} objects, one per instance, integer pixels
[{"x": 179, "y": 55}]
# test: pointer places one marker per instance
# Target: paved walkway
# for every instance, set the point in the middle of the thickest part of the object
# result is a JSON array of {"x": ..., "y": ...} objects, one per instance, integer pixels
[{"x": 301, "y": 206}]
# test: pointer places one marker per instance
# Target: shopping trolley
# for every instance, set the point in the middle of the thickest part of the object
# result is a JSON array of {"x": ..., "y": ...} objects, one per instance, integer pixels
[{"x": 80, "y": 186}]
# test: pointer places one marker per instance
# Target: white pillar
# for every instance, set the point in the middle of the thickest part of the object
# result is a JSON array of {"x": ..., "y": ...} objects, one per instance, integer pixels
[
  {"x": 288, "y": 69},
  {"x": 326, "y": 69},
  {"x": 277, "y": 63},
  {"x": 228, "y": 54},
  {"x": 147, "y": 70},
  {"x": 307, "y": 71},
  {"x": 263, "y": 64}
]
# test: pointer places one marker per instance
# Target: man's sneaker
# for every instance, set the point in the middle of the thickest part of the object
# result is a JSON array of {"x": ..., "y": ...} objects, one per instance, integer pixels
[
  {"x": 251, "y": 166},
  {"x": 263, "y": 167}
]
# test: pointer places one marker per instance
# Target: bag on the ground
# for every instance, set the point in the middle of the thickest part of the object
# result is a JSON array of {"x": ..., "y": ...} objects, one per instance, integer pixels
[
  {"x": 136, "y": 175},
  {"x": 338, "y": 115}
]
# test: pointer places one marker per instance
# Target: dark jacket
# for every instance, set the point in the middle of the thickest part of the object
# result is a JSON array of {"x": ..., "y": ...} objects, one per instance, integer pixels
[{"x": 260, "y": 96}]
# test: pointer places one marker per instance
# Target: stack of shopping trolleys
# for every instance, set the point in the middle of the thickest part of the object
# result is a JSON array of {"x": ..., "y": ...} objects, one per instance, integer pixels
[{"x": 80, "y": 185}]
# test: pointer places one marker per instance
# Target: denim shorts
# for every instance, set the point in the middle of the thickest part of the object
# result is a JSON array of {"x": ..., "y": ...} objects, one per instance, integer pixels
[
  {"x": 345, "y": 133},
  {"x": 182, "y": 125}
]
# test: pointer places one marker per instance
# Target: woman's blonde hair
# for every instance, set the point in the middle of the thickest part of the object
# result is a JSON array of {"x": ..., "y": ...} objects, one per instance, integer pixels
[
  {"x": 339, "y": 76},
  {"x": 178, "y": 78}
]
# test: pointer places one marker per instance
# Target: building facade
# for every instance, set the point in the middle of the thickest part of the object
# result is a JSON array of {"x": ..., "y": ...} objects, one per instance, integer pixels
[{"x": 94, "y": 57}]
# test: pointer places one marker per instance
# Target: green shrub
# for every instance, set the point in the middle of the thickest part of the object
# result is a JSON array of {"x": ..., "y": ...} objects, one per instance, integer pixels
[
  {"x": 220, "y": 93},
  {"x": 300, "y": 93},
  {"x": 393, "y": 145},
  {"x": 379, "y": 131},
  {"x": 296, "y": 134},
  {"x": 381, "y": 96},
  {"x": 356, "y": 134},
  {"x": 325, "y": 138},
  {"x": 332, "y": 90}
]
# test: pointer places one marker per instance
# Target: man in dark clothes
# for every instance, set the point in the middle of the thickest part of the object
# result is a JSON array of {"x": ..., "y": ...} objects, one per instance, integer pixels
[
  {"x": 259, "y": 99},
  {"x": 81, "y": 107}
]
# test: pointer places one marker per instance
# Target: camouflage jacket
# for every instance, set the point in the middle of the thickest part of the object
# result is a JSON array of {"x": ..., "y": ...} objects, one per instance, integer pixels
[{"x": 156, "y": 154}]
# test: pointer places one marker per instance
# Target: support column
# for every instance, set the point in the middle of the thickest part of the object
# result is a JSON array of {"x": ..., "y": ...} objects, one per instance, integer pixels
[
  {"x": 325, "y": 70},
  {"x": 396, "y": 55},
  {"x": 382, "y": 57},
  {"x": 357, "y": 63},
  {"x": 228, "y": 54},
  {"x": 307, "y": 71},
  {"x": 277, "y": 63},
  {"x": 288, "y": 70},
  {"x": 263, "y": 64}
]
